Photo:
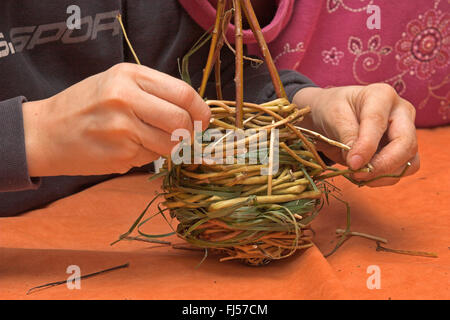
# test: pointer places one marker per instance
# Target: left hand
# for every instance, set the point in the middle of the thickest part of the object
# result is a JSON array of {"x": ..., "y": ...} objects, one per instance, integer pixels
[{"x": 373, "y": 120}]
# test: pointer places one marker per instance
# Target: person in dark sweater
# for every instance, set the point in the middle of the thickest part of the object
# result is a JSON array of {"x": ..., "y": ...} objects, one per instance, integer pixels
[{"x": 74, "y": 111}]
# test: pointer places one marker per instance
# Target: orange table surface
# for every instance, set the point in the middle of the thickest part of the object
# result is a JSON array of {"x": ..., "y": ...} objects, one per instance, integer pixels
[{"x": 37, "y": 247}]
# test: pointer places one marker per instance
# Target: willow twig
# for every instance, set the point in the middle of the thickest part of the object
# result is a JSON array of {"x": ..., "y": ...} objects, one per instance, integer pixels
[
  {"x": 239, "y": 76},
  {"x": 269, "y": 178},
  {"x": 256, "y": 28},
  {"x": 407, "y": 252},
  {"x": 323, "y": 138},
  {"x": 363, "y": 235},
  {"x": 213, "y": 46},
  {"x": 299, "y": 159},
  {"x": 57, "y": 283},
  {"x": 222, "y": 38},
  {"x": 119, "y": 17}
]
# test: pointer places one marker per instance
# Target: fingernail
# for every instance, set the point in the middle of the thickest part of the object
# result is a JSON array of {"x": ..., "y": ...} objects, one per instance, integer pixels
[{"x": 356, "y": 162}]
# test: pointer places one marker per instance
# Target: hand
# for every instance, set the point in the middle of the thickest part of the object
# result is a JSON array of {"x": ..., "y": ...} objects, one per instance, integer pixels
[
  {"x": 110, "y": 122},
  {"x": 373, "y": 120}
]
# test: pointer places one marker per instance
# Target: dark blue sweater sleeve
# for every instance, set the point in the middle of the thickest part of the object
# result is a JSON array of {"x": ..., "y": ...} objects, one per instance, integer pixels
[
  {"x": 13, "y": 160},
  {"x": 258, "y": 87}
]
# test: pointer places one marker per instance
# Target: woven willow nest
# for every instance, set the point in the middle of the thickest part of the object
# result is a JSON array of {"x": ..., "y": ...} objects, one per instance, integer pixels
[{"x": 235, "y": 209}]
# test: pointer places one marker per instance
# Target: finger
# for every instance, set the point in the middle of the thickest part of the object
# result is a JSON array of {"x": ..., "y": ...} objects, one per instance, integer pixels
[
  {"x": 342, "y": 125},
  {"x": 160, "y": 113},
  {"x": 144, "y": 157},
  {"x": 375, "y": 108},
  {"x": 154, "y": 139},
  {"x": 410, "y": 170},
  {"x": 413, "y": 167},
  {"x": 402, "y": 146},
  {"x": 176, "y": 92}
]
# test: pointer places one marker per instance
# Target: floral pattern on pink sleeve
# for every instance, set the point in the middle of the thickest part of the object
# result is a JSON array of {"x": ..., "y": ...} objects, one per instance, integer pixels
[
  {"x": 410, "y": 50},
  {"x": 425, "y": 44}
]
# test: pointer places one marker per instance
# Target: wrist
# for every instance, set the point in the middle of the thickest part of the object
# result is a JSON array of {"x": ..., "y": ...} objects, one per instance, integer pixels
[
  {"x": 307, "y": 97},
  {"x": 33, "y": 129}
]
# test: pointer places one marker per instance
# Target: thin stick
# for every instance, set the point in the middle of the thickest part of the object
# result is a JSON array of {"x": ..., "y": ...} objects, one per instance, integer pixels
[
  {"x": 249, "y": 107},
  {"x": 217, "y": 62},
  {"x": 186, "y": 247},
  {"x": 363, "y": 235},
  {"x": 339, "y": 173},
  {"x": 258, "y": 62},
  {"x": 218, "y": 78},
  {"x": 269, "y": 180},
  {"x": 345, "y": 235},
  {"x": 365, "y": 182},
  {"x": 239, "y": 76},
  {"x": 213, "y": 46},
  {"x": 256, "y": 28},
  {"x": 297, "y": 113},
  {"x": 309, "y": 146},
  {"x": 332, "y": 142},
  {"x": 57, "y": 283},
  {"x": 299, "y": 159},
  {"x": 327, "y": 140},
  {"x": 407, "y": 252},
  {"x": 265, "y": 199},
  {"x": 119, "y": 17},
  {"x": 148, "y": 240}
]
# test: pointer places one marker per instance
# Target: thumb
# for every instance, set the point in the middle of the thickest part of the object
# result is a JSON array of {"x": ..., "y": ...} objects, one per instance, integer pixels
[
  {"x": 349, "y": 136},
  {"x": 342, "y": 126},
  {"x": 357, "y": 158},
  {"x": 375, "y": 109},
  {"x": 366, "y": 145}
]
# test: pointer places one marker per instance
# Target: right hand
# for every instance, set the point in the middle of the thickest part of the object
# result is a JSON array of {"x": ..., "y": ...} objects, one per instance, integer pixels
[
  {"x": 373, "y": 120},
  {"x": 109, "y": 122}
]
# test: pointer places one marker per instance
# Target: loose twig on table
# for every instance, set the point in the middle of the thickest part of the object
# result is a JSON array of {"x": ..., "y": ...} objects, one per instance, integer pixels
[{"x": 57, "y": 283}]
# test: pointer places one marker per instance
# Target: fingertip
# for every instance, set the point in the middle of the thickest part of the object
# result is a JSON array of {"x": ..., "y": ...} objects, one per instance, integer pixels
[
  {"x": 201, "y": 112},
  {"x": 361, "y": 152},
  {"x": 207, "y": 117},
  {"x": 355, "y": 161}
]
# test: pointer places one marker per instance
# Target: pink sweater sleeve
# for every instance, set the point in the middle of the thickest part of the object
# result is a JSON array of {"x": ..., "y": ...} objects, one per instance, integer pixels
[{"x": 204, "y": 14}]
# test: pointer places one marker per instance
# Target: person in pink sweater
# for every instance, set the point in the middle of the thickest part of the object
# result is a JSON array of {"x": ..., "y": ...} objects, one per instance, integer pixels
[
  {"x": 365, "y": 112},
  {"x": 405, "y": 44}
]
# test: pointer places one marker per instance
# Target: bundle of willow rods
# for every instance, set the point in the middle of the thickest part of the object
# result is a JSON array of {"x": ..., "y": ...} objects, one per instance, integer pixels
[{"x": 235, "y": 209}]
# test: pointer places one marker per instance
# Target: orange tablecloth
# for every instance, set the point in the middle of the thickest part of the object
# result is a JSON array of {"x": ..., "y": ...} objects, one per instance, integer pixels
[{"x": 37, "y": 247}]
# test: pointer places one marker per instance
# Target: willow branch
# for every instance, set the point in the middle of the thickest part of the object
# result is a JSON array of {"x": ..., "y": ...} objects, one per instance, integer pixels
[
  {"x": 256, "y": 28},
  {"x": 239, "y": 76},
  {"x": 216, "y": 60},
  {"x": 213, "y": 46},
  {"x": 119, "y": 17}
]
